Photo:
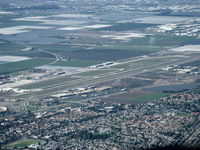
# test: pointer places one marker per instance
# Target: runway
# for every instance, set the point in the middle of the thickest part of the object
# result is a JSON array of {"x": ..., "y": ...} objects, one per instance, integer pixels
[{"x": 89, "y": 81}]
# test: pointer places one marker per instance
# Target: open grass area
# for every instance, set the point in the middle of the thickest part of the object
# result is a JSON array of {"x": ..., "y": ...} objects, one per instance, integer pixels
[
  {"x": 23, "y": 143},
  {"x": 23, "y": 65},
  {"x": 136, "y": 97},
  {"x": 185, "y": 114},
  {"x": 32, "y": 105},
  {"x": 31, "y": 108},
  {"x": 76, "y": 63},
  {"x": 50, "y": 82},
  {"x": 94, "y": 72},
  {"x": 150, "y": 97}
]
